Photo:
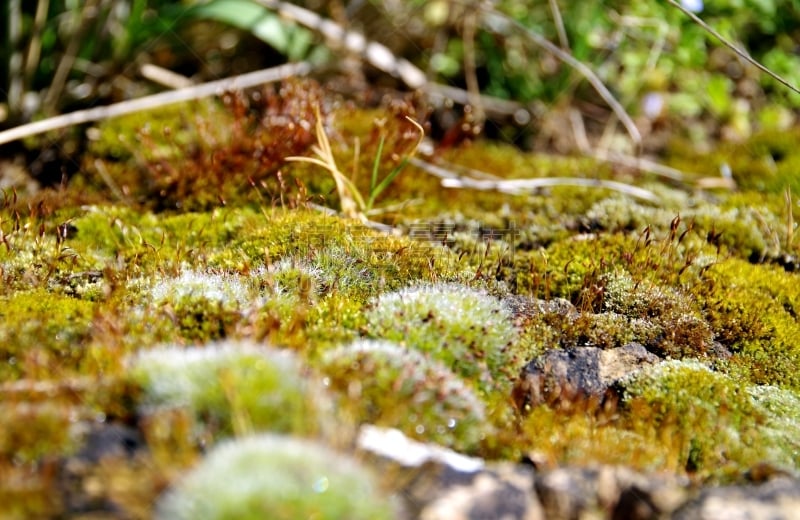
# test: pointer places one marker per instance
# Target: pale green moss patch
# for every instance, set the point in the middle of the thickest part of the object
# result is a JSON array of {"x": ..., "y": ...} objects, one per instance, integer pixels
[
  {"x": 389, "y": 385},
  {"x": 268, "y": 476},
  {"x": 466, "y": 329},
  {"x": 240, "y": 387},
  {"x": 781, "y": 427},
  {"x": 43, "y": 334},
  {"x": 753, "y": 310}
]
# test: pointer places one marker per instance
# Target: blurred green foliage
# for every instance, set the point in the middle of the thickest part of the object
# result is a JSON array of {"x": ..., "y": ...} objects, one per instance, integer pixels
[{"x": 651, "y": 55}]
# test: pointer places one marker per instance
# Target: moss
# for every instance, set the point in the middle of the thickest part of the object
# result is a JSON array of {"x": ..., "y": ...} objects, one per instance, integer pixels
[
  {"x": 781, "y": 409},
  {"x": 468, "y": 330},
  {"x": 386, "y": 384},
  {"x": 192, "y": 159},
  {"x": 203, "y": 306},
  {"x": 119, "y": 138},
  {"x": 32, "y": 431},
  {"x": 664, "y": 319},
  {"x": 276, "y": 477},
  {"x": 99, "y": 272},
  {"x": 712, "y": 418},
  {"x": 43, "y": 333},
  {"x": 239, "y": 387},
  {"x": 579, "y": 437},
  {"x": 567, "y": 268},
  {"x": 752, "y": 310}
]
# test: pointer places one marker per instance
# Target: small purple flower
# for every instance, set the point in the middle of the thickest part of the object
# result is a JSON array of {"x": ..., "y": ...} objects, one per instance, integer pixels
[
  {"x": 694, "y": 6},
  {"x": 653, "y": 104}
]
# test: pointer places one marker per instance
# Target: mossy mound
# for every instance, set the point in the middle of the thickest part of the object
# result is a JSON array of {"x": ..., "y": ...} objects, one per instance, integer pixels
[
  {"x": 43, "y": 332},
  {"x": 239, "y": 387},
  {"x": 389, "y": 385},
  {"x": 466, "y": 329},
  {"x": 716, "y": 426},
  {"x": 269, "y": 476},
  {"x": 753, "y": 310}
]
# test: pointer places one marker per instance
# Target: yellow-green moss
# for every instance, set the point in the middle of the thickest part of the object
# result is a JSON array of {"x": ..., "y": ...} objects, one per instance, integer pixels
[
  {"x": 43, "y": 333},
  {"x": 753, "y": 310}
]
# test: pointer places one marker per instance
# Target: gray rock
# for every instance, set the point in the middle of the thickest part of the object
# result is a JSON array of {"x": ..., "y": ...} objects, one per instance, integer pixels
[
  {"x": 578, "y": 372},
  {"x": 440, "y": 484},
  {"x": 501, "y": 492},
  {"x": 777, "y": 499},
  {"x": 607, "y": 492}
]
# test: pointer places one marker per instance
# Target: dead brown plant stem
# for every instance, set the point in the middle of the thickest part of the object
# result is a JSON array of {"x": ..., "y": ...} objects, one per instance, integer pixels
[
  {"x": 15, "y": 61},
  {"x": 470, "y": 73},
  {"x": 212, "y": 88},
  {"x": 727, "y": 43},
  {"x": 789, "y": 219},
  {"x": 582, "y": 69},
  {"x": 81, "y": 24},
  {"x": 559, "y": 23},
  {"x": 35, "y": 44}
]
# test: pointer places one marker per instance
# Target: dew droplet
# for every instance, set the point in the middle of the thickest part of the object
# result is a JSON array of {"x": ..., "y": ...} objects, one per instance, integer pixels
[{"x": 321, "y": 485}]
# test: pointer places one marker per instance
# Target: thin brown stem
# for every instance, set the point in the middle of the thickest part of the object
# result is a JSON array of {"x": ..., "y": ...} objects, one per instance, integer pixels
[
  {"x": 727, "y": 43},
  {"x": 212, "y": 88}
]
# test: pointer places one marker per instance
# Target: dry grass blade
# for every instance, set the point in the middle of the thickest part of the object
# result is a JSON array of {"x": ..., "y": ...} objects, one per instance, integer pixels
[
  {"x": 350, "y": 199},
  {"x": 517, "y": 186}
]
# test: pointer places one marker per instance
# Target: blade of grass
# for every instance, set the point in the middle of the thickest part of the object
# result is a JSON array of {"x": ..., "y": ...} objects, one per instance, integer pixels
[
  {"x": 375, "y": 191},
  {"x": 375, "y": 165},
  {"x": 350, "y": 199}
]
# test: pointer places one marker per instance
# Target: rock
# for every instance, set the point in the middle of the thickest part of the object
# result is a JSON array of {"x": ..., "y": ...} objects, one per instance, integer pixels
[
  {"x": 607, "y": 492},
  {"x": 83, "y": 491},
  {"x": 578, "y": 372},
  {"x": 443, "y": 485},
  {"x": 501, "y": 492},
  {"x": 777, "y": 499}
]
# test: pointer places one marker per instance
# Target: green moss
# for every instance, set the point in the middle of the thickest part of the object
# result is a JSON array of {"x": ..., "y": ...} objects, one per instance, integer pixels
[
  {"x": 466, "y": 329},
  {"x": 268, "y": 476},
  {"x": 752, "y": 309},
  {"x": 664, "y": 319},
  {"x": 580, "y": 437},
  {"x": 781, "y": 409},
  {"x": 92, "y": 275},
  {"x": 120, "y": 137},
  {"x": 203, "y": 306},
  {"x": 712, "y": 418},
  {"x": 567, "y": 268},
  {"x": 239, "y": 387},
  {"x": 389, "y": 385},
  {"x": 32, "y": 431},
  {"x": 43, "y": 333}
]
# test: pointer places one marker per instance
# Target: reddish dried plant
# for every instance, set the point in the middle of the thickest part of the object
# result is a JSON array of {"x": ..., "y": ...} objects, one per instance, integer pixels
[{"x": 230, "y": 157}]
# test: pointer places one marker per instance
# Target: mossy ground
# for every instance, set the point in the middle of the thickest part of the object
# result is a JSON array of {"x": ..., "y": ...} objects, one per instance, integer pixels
[{"x": 121, "y": 261}]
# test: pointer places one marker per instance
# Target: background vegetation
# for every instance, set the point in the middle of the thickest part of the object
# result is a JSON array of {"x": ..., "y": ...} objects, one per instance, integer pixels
[{"x": 666, "y": 71}]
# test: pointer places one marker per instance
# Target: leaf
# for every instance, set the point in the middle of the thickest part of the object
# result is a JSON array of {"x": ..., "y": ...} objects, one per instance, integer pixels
[{"x": 259, "y": 21}]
